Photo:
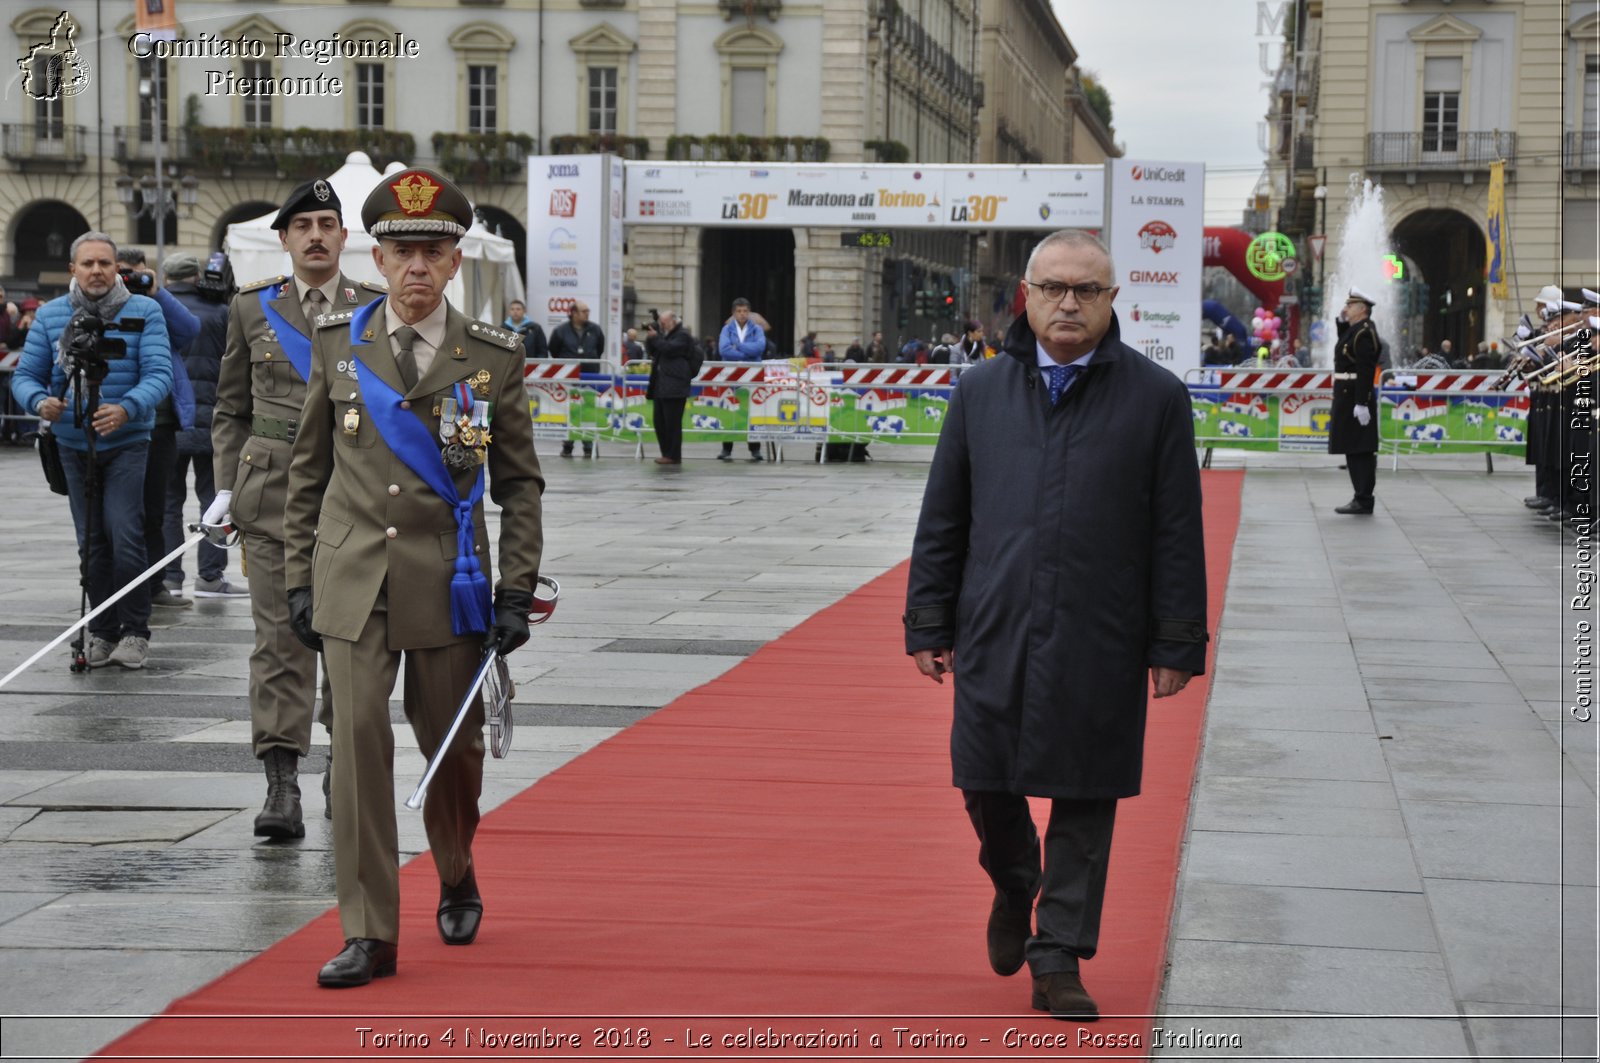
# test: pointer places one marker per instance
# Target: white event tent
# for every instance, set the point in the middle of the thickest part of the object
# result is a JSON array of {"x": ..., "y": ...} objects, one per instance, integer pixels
[{"x": 487, "y": 279}]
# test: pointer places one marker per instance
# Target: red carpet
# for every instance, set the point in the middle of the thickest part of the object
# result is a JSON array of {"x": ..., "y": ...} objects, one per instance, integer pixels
[{"x": 777, "y": 852}]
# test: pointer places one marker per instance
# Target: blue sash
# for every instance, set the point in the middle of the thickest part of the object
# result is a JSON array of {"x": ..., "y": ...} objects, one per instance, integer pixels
[
  {"x": 471, "y": 606},
  {"x": 296, "y": 346}
]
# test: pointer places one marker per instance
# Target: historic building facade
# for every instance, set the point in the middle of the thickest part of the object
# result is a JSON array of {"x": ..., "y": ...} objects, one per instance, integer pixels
[
  {"x": 250, "y": 100},
  {"x": 1421, "y": 96}
]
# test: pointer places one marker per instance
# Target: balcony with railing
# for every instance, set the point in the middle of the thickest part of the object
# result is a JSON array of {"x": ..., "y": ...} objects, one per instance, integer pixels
[
  {"x": 43, "y": 145},
  {"x": 740, "y": 148},
  {"x": 1581, "y": 152},
  {"x": 301, "y": 152},
  {"x": 482, "y": 157},
  {"x": 1440, "y": 151}
]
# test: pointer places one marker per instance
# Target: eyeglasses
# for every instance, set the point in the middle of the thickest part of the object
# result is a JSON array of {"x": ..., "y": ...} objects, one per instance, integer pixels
[{"x": 1055, "y": 291}]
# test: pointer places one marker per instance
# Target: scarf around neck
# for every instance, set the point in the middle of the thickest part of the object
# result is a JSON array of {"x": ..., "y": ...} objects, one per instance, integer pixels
[{"x": 106, "y": 308}]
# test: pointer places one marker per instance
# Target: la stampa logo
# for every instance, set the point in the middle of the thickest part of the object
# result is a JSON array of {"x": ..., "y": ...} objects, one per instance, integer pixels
[{"x": 54, "y": 69}]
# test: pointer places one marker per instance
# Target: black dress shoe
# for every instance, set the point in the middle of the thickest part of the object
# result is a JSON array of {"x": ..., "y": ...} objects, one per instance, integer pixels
[
  {"x": 1009, "y": 929},
  {"x": 362, "y": 960},
  {"x": 1352, "y": 507},
  {"x": 460, "y": 910},
  {"x": 1538, "y": 502},
  {"x": 1061, "y": 993}
]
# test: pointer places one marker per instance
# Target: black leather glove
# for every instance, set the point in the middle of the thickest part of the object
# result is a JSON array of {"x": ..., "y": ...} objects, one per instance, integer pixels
[
  {"x": 511, "y": 608},
  {"x": 300, "y": 618}
]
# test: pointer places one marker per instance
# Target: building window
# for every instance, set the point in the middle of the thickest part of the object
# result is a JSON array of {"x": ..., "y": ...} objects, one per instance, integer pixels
[
  {"x": 603, "y": 100},
  {"x": 1441, "y": 105},
  {"x": 153, "y": 74},
  {"x": 369, "y": 96},
  {"x": 256, "y": 110},
  {"x": 49, "y": 118},
  {"x": 483, "y": 99},
  {"x": 1591, "y": 94},
  {"x": 749, "y": 98}
]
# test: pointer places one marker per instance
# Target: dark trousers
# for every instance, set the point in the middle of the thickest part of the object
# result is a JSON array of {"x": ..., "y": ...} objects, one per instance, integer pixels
[
  {"x": 114, "y": 554},
  {"x": 755, "y": 449},
  {"x": 668, "y": 414},
  {"x": 1363, "y": 475},
  {"x": 1072, "y": 886},
  {"x": 157, "y": 473},
  {"x": 213, "y": 558}
]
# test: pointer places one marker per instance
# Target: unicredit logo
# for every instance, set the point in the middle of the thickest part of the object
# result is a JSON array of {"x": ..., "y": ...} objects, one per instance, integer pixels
[{"x": 1160, "y": 173}]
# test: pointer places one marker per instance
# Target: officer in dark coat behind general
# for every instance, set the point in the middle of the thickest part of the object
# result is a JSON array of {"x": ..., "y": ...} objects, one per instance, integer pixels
[
  {"x": 1353, "y": 423},
  {"x": 409, "y": 406},
  {"x": 1060, "y": 552},
  {"x": 260, "y": 389}
]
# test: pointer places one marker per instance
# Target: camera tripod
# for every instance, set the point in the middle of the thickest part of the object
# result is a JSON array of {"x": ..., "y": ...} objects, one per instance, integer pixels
[{"x": 84, "y": 381}]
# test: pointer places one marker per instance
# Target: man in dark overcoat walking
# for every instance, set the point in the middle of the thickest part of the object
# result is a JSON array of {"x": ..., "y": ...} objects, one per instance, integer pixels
[
  {"x": 1060, "y": 550},
  {"x": 1353, "y": 422}
]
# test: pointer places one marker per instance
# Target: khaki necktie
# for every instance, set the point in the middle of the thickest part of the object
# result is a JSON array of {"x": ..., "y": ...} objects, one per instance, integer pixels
[
  {"x": 316, "y": 302},
  {"x": 404, "y": 337}
]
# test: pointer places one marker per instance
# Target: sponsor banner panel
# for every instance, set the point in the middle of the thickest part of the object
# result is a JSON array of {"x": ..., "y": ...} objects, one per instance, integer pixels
[
  {"x": 570, "y": 237},
  {"x": 1155, "y": 228},
  {"x": 921, "y": 197}
]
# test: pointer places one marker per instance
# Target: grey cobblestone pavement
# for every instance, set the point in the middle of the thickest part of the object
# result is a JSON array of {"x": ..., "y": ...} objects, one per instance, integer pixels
[{"x": 1394, "y": 815}]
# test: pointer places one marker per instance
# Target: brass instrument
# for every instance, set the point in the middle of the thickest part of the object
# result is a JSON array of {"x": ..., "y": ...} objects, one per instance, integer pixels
[{"x": 1544, "y": 336}]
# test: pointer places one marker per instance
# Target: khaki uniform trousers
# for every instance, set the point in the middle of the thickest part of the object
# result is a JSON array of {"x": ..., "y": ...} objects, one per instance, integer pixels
[
  {"x": 283, "y": 673},
  {"x": 366, "y": 859}
]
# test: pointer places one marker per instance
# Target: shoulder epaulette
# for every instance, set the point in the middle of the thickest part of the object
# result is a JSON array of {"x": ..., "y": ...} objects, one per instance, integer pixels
[
  {"x": 374, "y": 286},
  {"x": 258, "y": 285},
  {"x": 494, "y": 334},
  {"x": 334, "y": 318}
]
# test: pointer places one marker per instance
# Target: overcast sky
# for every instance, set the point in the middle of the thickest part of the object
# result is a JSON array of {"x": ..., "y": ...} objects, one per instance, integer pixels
[{"x": 1185, "y": 82}]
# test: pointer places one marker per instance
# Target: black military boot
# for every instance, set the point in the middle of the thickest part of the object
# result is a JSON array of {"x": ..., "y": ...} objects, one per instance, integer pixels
[{"x": 280, "y": 816}]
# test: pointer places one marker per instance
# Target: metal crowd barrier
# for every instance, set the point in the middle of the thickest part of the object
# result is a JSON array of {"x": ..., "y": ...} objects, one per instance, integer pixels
[{"x": 1419, "y": 412}]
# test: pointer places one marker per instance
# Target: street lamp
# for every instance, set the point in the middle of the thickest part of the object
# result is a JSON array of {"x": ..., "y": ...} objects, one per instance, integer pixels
[{"x": 156, "y": 200}]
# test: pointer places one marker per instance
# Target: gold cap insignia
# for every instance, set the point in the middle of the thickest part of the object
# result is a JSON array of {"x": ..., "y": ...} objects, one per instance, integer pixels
[{"x": 414, "y": 193}]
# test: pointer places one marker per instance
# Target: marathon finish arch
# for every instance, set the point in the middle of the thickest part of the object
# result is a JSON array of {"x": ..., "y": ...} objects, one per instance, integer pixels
[{"x": 578, "y": 205}]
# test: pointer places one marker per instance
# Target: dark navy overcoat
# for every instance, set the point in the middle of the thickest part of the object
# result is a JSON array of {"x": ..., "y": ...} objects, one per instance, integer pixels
[{"x": 1060, "y": 552}]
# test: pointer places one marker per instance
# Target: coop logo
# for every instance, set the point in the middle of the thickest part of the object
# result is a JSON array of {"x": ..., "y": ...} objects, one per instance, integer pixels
[
  {"x": 1157, "y": 236},
  {"x": 1151, "y": 276},
  {"x": 1159, "y": 173},
  {"x": 563, "y": 240},
  {"x": 563, "y": 169},
  {"x": 563, "y": 203},
  {"x": 561, "y": 305}
]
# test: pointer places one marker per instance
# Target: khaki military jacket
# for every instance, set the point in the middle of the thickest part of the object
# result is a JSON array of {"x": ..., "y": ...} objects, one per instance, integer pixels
[
  {"x": 257, "y": 380},
  {"x": 358, "y": 517}
]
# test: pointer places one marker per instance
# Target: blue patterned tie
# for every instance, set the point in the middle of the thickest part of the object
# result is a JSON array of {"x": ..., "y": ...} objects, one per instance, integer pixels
[{"x": 1060, "y": 380}]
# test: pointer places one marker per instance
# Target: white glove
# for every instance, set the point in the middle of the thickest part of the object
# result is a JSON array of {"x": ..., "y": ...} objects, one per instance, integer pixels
[
  {"x": 1363, "y": 415},
  {"x": 215, "y": 522}
]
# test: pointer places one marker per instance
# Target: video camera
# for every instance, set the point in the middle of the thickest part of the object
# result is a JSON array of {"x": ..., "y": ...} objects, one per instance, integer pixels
[
  {"x": 86, "y": 347},
  {"x": 137, "y": 281},
  {"x": 216, "y": 280}
]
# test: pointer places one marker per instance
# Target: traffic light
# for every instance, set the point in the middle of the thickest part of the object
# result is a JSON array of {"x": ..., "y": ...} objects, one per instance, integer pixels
[
  {"x": 1311, "y": 297},
  {"x": 948, "y": 303},
  {"x": 905, "y": 317}
]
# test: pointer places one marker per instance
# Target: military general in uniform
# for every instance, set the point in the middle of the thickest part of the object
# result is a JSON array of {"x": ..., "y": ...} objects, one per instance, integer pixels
[
  {"x": 410, "y": 409},
  {"x": 259, "y": 394}
]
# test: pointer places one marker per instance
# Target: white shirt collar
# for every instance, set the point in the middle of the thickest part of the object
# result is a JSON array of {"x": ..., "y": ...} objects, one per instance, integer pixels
[{"x": 1045, "y": 361}]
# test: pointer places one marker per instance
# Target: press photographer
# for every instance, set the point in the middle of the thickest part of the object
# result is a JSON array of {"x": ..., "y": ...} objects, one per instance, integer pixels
[{"x": 100, "y": 329}]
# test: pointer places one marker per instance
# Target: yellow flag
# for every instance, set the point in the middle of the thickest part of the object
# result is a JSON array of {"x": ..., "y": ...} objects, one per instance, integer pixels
[{"x": 1498, "y": 240}]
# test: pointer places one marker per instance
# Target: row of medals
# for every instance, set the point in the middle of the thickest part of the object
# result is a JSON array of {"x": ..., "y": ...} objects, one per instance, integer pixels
[{"x": 465, "y": 432}]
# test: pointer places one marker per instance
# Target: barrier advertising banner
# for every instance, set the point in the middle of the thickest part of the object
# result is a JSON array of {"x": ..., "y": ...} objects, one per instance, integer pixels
[
  {"x": 1155, "y": 228},
  {"x": 921, "y": 197}
]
